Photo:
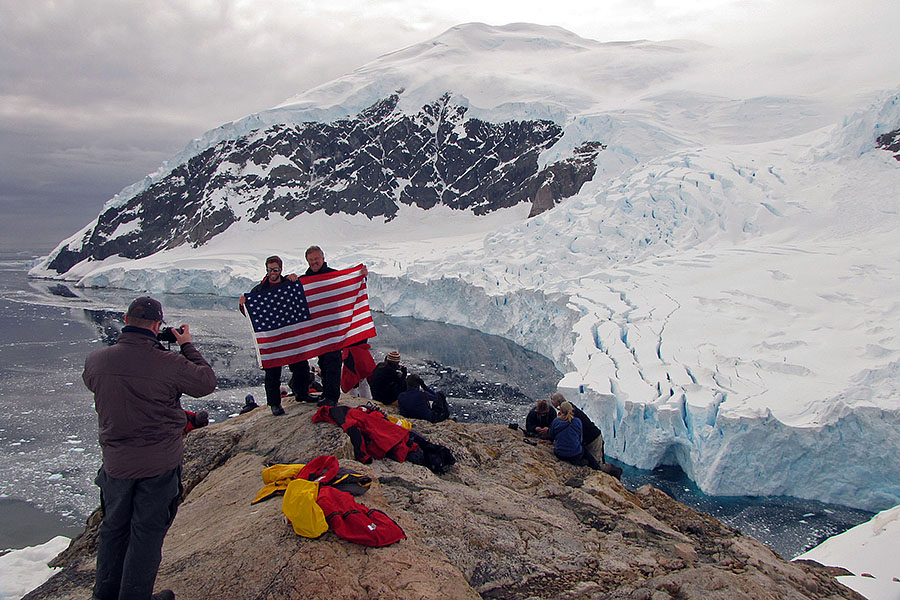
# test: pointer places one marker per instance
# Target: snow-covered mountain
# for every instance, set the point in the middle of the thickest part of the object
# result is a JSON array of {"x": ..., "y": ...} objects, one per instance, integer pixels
[
  {"x": 370, "y": 163},
  {"x": 711, "y": 260}
]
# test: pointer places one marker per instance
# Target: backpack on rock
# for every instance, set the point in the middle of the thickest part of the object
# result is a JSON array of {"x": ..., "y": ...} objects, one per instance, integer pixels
[{"x": 356, "y": 523}]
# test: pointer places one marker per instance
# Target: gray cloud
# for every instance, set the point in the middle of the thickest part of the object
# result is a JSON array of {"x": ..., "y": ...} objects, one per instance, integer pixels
[{"x": 96, "y": 94}]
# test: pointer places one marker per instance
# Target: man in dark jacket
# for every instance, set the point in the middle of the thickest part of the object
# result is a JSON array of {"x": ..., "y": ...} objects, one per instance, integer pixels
[
  {"x": 299, "y": 384},
  {"x": 537, "y": 423},
  {"x": 421, "y": 402},
  {"x": 330, "y": 363},
  {"x": 388, "y": 379},
  {"x": 137, "y": 386}
]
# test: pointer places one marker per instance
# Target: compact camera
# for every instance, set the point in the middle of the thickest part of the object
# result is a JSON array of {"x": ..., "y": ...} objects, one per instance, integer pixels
[{"x": 165, "y": 334}]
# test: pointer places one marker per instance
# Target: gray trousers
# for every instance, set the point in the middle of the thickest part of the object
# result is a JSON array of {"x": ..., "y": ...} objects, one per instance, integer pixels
[
  {"x": 595, "y": 448},
  {"x": 137, "y": 514}
]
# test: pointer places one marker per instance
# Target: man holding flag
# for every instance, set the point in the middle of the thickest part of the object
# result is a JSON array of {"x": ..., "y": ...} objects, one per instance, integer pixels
[
  {"x": 330, "y": 362},
  {"x": 273, "y": 280},
  {"x": 297, "y": 319}
]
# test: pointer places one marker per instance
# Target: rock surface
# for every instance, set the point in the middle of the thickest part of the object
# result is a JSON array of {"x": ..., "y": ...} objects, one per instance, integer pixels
[
  {"x": 508, "y": 521},
  {"x": 891, "y": 142}
]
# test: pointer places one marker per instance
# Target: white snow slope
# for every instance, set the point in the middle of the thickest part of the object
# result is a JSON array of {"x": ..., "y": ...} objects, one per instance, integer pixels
[
  {"x": 723, "y": 295},
  {"x": 869, "y": 551}
]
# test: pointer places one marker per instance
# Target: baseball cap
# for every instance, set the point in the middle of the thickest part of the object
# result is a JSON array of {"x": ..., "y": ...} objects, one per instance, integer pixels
[{"x": 145, "y": 308}]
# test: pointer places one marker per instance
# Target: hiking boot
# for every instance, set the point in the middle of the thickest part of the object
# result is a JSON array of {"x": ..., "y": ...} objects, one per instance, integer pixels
[
  {"x": 611, "y": 470},
  {"x": 198, "y": 419},
  {"x": 277, "y": 410},
  {"x": 163, "y": 595}
]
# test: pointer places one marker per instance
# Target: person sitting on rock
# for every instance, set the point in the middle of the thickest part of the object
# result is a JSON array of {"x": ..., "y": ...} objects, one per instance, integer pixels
[
  {"x": 537, "y": 423},
  {"x": 591, "y": 436},
  {"x": 592, "y": 439},
  {"x": 249, "y": 404},
  {"x": 565, "y": 431},
  {"x": 314, "y": 394},
  {"x": 421, "y": 402},
  {"x": 388, "y": 379},
  {"x": 196, "y": 420}
]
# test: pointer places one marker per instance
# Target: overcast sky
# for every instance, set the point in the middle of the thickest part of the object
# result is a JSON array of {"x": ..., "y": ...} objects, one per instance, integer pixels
[{"x": 95, "y": 94}]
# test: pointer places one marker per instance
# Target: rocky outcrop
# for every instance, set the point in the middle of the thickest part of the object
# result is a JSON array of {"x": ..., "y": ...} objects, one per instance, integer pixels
[
  {"x": 891, "y": 142},
  {"x": 370, "y": 164},
  {"x": 508, "y": 521}
]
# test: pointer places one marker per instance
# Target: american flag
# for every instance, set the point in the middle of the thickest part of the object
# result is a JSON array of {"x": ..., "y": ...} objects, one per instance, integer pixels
[{"x": 300, "y": 320}]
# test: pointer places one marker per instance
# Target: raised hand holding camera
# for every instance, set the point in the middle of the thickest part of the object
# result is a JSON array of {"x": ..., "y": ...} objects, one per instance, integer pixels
[{"x": 181, "y": 334}]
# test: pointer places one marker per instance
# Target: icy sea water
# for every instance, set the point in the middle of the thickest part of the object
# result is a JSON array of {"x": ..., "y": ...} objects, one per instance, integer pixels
[{"x": 48, "y": 449}]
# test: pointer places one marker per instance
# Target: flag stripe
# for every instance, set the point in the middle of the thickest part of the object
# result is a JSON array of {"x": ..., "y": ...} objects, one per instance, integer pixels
[
  {"x": 338, "y": 316},
  {"x": 314, "y": 334},
  {"x": 321, "y": 309},
  {"x": 315, "y": 340}
]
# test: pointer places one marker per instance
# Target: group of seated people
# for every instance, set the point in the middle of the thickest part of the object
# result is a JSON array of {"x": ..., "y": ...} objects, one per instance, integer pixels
[
  {"x": 576, "y": 439},
  {"x": 390, "y": 382}
]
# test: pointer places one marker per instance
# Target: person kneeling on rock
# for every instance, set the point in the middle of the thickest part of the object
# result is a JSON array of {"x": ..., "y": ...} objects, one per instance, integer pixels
[
  {"x": 537, "y": 423},
  {"x": 421, "y": 402}
]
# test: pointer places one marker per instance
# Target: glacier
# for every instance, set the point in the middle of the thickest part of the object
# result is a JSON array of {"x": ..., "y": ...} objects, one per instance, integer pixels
[{"x": 721, "y": 296}]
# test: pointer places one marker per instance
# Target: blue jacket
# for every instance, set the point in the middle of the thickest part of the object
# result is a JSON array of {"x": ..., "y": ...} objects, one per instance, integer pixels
[
  {"x": 415, "y": 404},
  {"x": 566, "y": 436}
]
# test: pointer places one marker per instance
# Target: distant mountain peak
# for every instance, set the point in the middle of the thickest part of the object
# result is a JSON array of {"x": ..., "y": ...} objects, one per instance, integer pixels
[{"x": 369, "y": 164}]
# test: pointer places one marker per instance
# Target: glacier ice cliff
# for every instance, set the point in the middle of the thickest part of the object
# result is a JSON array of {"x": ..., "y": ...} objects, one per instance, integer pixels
[{"x": 718, "y": 281}]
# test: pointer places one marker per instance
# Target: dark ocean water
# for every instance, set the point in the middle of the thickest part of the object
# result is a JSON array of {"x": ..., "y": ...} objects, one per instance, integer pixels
[{"x": 48, "y": 449}]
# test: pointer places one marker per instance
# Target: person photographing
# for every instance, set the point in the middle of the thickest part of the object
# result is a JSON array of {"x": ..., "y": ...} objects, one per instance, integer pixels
[
  {"x": 137, "y": 386},
  {"x": 388, "y": 379}
]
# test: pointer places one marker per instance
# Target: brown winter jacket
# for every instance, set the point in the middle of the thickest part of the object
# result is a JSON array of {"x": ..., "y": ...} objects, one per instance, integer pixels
[{"x": 137, "y": 386}]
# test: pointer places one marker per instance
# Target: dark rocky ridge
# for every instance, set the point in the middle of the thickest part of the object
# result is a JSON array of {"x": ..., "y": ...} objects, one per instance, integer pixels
[
  {"x": 508, "y": 521},
  {"x": 891, "y": 142},
  {"x": 369, "y": 164}
]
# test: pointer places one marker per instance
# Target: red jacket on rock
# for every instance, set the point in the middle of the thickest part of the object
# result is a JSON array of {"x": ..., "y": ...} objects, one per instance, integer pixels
[{"x": 372, "y": 434}]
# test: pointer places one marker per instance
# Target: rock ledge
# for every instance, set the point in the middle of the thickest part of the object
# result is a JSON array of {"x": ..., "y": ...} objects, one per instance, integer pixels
[{"x": 509, "y": 521}]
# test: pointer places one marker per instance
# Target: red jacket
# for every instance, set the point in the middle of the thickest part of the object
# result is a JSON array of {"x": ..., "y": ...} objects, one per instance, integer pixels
[
  {"x": 372, "y": 434},
  {"x": 358, "y": 365}
]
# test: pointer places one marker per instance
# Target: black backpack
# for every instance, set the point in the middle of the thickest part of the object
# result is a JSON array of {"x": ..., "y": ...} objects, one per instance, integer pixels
[{"x": 438, "y": 459}]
